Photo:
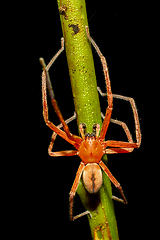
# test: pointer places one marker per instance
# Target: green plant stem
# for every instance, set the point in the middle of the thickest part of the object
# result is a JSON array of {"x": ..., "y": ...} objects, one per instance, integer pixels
[{"x": 84, "y": 87}]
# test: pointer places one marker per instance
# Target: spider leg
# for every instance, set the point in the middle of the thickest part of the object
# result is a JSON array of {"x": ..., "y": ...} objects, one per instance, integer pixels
[
  {"x": 83, "y": 214},
  {"x": 137, "y": 125},
  {"x": 118, "y": 150},
  {"x": 136, "y": 118},
  {"x": 128, "y": 134},
  {"x": 54, "y": 135},
  {"x": 45, "y": 113},
  {"x": 113, "y": 180},
  {"x": 74, "y": 188},
  {"x": 74, "y": 140},
  {"x": 118, "y": 199},
  {"x": 108, "y": 86},
  {"x": 66, "y": 153},
  {"x": 120, "y": 144},
  {"x": 124, "y": 126},
  {"x": 135, "y": 113}
]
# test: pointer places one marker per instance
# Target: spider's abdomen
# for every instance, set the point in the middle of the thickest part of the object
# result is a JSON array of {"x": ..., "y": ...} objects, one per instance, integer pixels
[
  {"x": 92, "y": 177},
  {"x": 91, "y": 150}
]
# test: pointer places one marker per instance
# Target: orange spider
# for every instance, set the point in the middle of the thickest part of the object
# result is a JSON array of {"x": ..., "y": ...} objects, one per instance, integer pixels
[{"x": 89, "y": 147}]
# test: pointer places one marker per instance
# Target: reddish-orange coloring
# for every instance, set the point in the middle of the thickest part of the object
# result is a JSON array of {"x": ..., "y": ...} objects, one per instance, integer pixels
[{"x": 89, "y": 147}]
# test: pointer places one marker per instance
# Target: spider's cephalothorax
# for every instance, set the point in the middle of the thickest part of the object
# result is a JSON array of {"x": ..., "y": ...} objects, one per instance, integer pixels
[{"x": 89, "y": 147}]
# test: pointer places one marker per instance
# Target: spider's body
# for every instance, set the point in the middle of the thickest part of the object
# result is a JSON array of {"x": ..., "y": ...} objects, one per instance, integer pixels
[
  {"x": 89, "y": 147},
  {"x": 91, "y": 151}
]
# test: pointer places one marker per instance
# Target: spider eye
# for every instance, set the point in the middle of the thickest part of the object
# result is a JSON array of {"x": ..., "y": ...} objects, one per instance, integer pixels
[
  {"x": 93, "y": 134},
  {"x": 87, "y": 135}
]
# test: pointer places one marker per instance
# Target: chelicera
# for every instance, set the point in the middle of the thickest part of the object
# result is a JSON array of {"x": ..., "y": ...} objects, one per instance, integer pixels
[{"x": 90, "y": 147}]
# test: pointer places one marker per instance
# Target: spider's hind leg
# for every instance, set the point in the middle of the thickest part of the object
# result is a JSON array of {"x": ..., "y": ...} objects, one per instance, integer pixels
[
  {"x": 82, "y": 214},
  {"x": 118, "y": 199},
  {"x": 113, "y": 180}
]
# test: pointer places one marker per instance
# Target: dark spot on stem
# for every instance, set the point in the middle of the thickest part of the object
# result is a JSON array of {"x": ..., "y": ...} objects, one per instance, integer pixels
[
  {"x": 63, "y": 10},
  {"x": 75, "y": 28}
]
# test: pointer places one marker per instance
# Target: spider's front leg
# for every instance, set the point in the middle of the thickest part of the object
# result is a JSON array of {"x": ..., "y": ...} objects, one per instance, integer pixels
[
  {"x": 108, "y": 87},
  {"x": 45, "y": 105},
  {"x": 74, "y": 140}
]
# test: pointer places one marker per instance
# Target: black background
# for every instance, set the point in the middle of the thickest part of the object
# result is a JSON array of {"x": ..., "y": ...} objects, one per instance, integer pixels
[{"x": 38, "y": 184}]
